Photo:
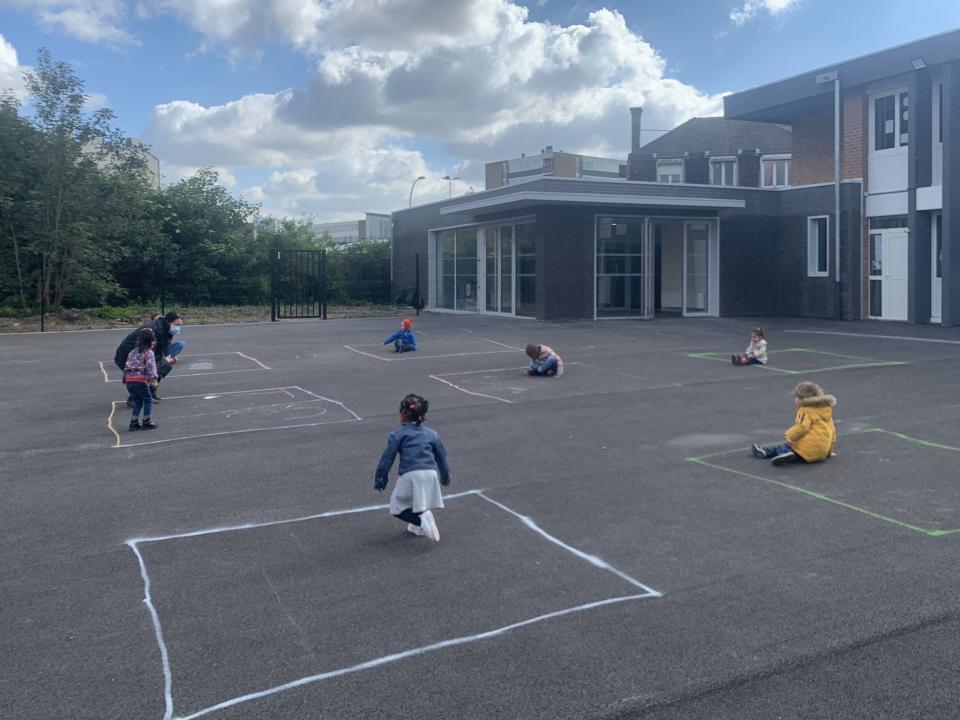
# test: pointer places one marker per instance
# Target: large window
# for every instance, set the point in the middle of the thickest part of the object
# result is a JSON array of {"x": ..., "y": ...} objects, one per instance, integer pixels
[
  {"x": 891, "y": 121},
  {"x": 526, "y": 252},
  {"x": 620, "y": 266},
  {"x": 670, "y": 171},
  {"x": 818, "y": 243},
  {"x": 723, "y": 171},
  {"x": 775, "y": 170},
  {"x": 457, "y": 269}
]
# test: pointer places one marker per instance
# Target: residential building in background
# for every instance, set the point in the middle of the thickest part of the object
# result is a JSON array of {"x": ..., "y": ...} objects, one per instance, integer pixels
[
  {"x": 833, "y": 194},
  {"x": 553, "y": 163},
  {"x": 714, "y": 151},
  {"x": 373, "y": 226}
]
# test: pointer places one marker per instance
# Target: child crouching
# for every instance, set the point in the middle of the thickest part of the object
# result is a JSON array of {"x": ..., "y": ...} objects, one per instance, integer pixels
[
  {"x": 812, "y": 436},
  {"x": 423, "y": 468},
  {"x": 544, "y": 361}
]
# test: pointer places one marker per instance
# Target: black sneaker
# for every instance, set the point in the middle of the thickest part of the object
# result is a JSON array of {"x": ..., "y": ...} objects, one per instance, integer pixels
[
  {"x": 784, "y": 458},
  {"x": 148, "y": 424},
  {"x": 758, "y": 452},
  {"x": 134, "y": 425},
  {"x": 734, "y": 360}
]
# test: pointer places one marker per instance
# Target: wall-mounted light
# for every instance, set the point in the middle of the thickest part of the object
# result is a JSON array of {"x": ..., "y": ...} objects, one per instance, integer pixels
[{"x": 918, "y": 63}]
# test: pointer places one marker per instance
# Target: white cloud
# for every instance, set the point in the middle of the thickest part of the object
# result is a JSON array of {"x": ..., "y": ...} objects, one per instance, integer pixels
[
  {"x": 475, "y": 78},
  {"x": 751, "y": 8},
  {"x": 96, "y": 101},
  {"x": 93, "y": 21},
  {"x": 11, "y": 72}
]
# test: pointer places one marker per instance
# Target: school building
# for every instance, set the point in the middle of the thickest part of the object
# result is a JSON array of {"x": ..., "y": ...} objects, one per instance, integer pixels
[{"x": 833, "y": 194}]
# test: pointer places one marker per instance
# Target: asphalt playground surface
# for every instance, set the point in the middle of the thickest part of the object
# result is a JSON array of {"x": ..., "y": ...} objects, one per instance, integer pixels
[{"x": 609, "y": 548}]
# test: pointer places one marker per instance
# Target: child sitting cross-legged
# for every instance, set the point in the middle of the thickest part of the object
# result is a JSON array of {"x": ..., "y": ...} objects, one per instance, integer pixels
[
  {"x": 812, "y": 436},
  {"x": 403, "y": 339}
]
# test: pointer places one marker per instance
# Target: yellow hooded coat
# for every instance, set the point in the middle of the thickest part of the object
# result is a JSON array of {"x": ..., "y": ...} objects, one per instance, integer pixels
[{"x": 813, "y": 434}]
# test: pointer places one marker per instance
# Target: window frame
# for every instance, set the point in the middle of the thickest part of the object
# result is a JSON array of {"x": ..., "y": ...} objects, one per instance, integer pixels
[
  {"x": 813, "y": 246},
  {"x": 725, "y": 161},
  {"x": 788, "y": 157},
  {"x": 671, "y": 162},
  {"x": 897, "y": 94}
]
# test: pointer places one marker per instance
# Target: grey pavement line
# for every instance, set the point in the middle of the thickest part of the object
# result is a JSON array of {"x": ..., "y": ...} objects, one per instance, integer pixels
[
  {"x": 385, "y": 659},
  {"x": 871, "y": 335}
]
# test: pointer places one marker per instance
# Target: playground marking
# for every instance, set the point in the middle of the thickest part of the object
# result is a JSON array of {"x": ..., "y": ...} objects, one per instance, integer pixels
[
  {"x": 930, "y": 532},
  {"x": 471, "y": 392},
  {"x": 417, "y": 356},
  {"x": 106, "y": 376},
  {"x": 134, "y": 544},
  {"x": 863, "y": 362},
  {"x": 212, "y": 396},
  {"x": 871, "y": 335},
  {"x": 441, "y": 377}
]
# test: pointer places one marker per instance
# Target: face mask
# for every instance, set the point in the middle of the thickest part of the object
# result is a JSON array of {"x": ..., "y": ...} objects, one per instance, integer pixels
[{"x": 175, "y": 329}]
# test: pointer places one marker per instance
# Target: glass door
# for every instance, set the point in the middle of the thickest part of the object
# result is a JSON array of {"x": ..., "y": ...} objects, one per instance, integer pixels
[
  {"x": 624, "y": 277},
  {"x": 499, "y": 270},
  {"x": 456, "y": 269},
  {"x": 696, "y": 268}
]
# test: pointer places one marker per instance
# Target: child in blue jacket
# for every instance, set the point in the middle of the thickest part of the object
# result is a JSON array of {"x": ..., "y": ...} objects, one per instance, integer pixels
[
  {"x": 423, "y": 468},
  {"x": 402, "y": 339}
]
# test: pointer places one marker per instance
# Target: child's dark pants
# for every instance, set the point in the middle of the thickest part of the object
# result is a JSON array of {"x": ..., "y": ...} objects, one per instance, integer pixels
[
  {"x": 140, "y": 393},
  {"x": 408, "y": 515}
]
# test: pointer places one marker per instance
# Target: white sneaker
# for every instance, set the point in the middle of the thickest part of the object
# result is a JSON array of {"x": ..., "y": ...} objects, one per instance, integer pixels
[
  {"x": 415, "y": 529},
  {"x": 429, "y": 526}
]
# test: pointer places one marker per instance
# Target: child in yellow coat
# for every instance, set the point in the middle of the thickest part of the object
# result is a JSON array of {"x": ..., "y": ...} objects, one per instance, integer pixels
[{"x": 812, "y": 436}]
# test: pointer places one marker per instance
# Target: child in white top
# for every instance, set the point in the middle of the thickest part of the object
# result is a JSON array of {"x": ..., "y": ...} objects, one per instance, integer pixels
[{"x": 756, "y": 353}]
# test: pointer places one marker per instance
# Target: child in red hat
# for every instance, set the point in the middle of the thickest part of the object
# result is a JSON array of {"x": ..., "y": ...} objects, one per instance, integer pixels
[{"x": 402, "y": 339}]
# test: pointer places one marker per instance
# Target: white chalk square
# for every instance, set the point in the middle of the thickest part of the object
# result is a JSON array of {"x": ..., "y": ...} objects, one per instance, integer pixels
[{"x": 297, "y": 621}]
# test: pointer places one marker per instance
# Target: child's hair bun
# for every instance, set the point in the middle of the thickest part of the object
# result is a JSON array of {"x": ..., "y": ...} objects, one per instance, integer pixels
[
  {"x": 413, "y": 408},
  {"x": 406, "y": 323}
]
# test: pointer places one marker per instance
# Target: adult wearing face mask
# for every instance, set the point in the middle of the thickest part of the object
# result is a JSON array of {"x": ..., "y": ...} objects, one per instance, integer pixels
[
  {"x": 167, "y": 330},
  {"x": 169, "y": 345}
]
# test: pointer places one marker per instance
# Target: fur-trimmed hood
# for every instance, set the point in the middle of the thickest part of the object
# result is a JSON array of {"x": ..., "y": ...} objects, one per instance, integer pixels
[{"x": 818, "y": 401}]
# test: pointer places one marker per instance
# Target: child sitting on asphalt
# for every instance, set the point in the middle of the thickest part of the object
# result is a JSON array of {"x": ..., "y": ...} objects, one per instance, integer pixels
[
  {"x": 402, "y": 339},
  {"x": 422, "y": 455},
  {"x": 812, "y": 436},
  {"x": 756, "y": 353},
  {"x": 544, "y": 361},
  {"x": 139, "y": 375}
]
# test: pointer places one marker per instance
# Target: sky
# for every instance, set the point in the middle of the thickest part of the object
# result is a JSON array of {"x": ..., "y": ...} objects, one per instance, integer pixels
[{"x": 326, "y": 109}]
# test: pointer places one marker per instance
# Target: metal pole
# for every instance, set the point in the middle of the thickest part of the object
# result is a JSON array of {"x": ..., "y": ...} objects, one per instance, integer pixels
[
  {"x": 416, "y": 297},
  {"x": 836, "y": 193},
  {"x": 274, "y": 256},
  {"x": 410, "y": 203},
  {"x": 323, "y": 287},
  {"x": 43, "y": 291}
]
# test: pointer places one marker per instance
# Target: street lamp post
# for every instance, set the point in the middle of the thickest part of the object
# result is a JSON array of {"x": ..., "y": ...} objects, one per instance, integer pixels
[
  {"x": 422, "y": 177},
  {"x": 451, "y": 179}
]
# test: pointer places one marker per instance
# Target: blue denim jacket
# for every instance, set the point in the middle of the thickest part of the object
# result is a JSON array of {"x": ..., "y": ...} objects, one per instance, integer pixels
[{"x": 420, "y": 449}]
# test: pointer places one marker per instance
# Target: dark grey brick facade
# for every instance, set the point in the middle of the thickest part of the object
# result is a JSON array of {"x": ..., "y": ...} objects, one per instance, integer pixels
[{"x": 762, "y": 247}]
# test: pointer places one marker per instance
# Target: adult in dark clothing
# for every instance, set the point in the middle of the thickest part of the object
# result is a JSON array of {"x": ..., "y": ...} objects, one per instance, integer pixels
[{"x": 164, "y": 328}]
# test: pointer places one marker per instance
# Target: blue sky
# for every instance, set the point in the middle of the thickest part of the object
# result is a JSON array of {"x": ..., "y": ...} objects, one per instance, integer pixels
[{"x": 328, "y": 108}]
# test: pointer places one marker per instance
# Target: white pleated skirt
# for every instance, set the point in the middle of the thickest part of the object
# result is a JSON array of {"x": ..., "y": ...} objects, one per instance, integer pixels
[{"x": 417, "y": 489}]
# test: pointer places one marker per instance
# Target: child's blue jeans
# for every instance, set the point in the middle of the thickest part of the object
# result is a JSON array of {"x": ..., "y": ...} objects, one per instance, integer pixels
[
  {"x": 771, "y": 451},
  {"x": 542, "y": 368},
  {"x": 401, "y": 346},
  {"x": 140, "y": 393}
]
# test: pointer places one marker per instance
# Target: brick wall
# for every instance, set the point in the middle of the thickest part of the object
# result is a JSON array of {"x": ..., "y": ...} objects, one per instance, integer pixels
[
  {"x": 812, "y": 149},
  {"x": 696, "y": 168},
  {"x": 748, "y": 168},
  {"x": 642, "y": 166},
  {"x": 853, "y": 128}
]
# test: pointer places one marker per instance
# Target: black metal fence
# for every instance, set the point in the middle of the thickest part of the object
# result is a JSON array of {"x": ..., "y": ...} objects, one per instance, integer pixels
[{"x": 344, "y": 282}]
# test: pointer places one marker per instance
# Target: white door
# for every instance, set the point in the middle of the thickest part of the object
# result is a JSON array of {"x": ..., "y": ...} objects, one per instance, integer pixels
[
  {"x": 936, "y": 301},
  {"x": 696, "y": 268},
  {"x": 895, "y": 274},
  {"x": 888, "y": 274}
]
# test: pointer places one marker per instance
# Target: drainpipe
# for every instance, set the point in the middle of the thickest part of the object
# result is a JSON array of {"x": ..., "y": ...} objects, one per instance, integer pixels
[{"x": 822, "y": 79}]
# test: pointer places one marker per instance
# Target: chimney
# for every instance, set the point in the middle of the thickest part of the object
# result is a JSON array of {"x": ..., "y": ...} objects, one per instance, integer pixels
[{"x": 635, "y": 113}]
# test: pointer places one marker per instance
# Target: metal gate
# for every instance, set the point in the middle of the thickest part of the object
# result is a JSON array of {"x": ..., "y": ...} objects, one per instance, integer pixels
[{"x": 298, "y": 281}]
